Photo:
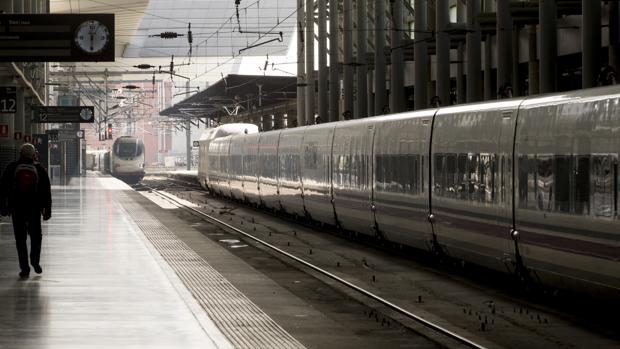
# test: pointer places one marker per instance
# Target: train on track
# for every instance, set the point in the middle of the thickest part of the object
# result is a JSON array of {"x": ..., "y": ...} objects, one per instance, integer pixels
[
  {"x": 526, "y": 186},
  {"x": 125, "y": 160}
]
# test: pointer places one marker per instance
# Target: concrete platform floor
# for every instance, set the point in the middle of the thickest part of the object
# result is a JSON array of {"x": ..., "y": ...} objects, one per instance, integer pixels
[{"x": 102, "y": 286}]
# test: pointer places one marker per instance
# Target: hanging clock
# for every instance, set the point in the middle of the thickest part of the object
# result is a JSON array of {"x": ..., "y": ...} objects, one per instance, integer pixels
[
  {"x": 92, "y": 37},
  {"x": 86, "y": 114}
]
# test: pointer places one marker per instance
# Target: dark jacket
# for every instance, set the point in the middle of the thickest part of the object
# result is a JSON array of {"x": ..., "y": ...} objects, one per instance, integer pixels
[{"x": 10, "y": 201}]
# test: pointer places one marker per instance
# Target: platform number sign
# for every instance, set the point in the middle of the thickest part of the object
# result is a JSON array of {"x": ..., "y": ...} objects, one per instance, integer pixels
[{"x": 8, "y": 99}]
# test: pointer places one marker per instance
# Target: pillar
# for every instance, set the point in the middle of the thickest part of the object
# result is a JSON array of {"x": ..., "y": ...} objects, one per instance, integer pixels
[
  {"x": 532, "y": 75},
  {"x": 516, "y": 84},
  {"x": 334, "y": 78},
  {"x": 362, "y": 66},
  {"x": 310, "y": 79},
  {"x": 421, "y": 54},
  {"x": 614, "y": 35},
  {"x": 460, "y": 53},
  {"x": 380, "y": 93},
  {"x": 442, "y": 15},
  {"x": 348, "y": 56},
  {"x": 489, "y": 91},
  {"x": 590, "y": 42},
  {"x": 301, "y": 65},
  {"x": 323, "y": 99},
  {"x": 474, "y": 44},
  {"x": 548, "y": 45},
  {"x": 504, "y": 44},
  {"x": 371, "y": 100},
  {"x": 397, "y": 68}
]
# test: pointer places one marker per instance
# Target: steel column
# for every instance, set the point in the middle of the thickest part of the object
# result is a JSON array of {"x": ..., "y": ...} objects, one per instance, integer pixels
[
  {"x": 488, "y": 68},
  {"x": 614, "y": 35},
  {"x": 370, "y": 84},
  {"x": 590, "y": 42},
  {"x": 188, "y": 134},
  {"x": 323, "y": 99},
  {"x": 442, "y": 15},
  {"x": 362, "y": 64},
  {"x": 421, "y": 54},
  {"x": 310, "y": 79},
  {"x": 548, "y": 45},
  {"x": 301, "y": 65},
  {"x": 460, "y": 52},
  {"x": 533, "y": 73},
  {"x": 397, "y": 68},
  {"x": 380, "y": 62},
  {"x": 348, "y": 56},
  {"x": 516, "y": 86},
  {"x": 504, "y": 44},
  {"x": 334, "y": 78},
  {"x": 474, "y": 44}
]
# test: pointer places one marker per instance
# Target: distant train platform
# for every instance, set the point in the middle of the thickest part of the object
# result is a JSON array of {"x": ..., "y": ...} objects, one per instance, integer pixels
[{"x": 116, "y": 276}]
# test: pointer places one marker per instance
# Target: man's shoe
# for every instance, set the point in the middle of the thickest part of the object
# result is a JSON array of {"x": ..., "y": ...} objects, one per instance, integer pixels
[
  {"x": 24, "y": 274},
  {"x": 37, "y": 269}
]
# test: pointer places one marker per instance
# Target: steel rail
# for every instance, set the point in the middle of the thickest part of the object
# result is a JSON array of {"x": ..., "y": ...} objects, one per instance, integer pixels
[{"x": 324, "y": 272}]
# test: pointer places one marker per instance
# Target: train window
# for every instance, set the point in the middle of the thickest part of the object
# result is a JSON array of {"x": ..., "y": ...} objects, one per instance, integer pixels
[
  {"x": 604, "y": 199},
  {"x": 462, "y": 180},
  {"x": 581, "y": 201},
  {"x": 562, "y": 183},
  {"x": 544, "y": 182},
  {"x": 450, "y": 176},
  {"x": 487, "y": 178},
  {"x": 439, "y": 175}
]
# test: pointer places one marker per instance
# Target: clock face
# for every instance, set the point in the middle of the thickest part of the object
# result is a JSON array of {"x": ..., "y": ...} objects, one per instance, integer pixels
[
  {"x": 92, "y": 36},
  {"x": 86, "y": 114}
]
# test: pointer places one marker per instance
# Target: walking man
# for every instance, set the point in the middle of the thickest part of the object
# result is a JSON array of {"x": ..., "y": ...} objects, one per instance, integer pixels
[{"x": 25, "y": 195}]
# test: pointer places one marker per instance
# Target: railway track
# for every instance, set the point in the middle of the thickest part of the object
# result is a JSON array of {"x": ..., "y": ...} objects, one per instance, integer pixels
[{"x": 409, "y": 314}]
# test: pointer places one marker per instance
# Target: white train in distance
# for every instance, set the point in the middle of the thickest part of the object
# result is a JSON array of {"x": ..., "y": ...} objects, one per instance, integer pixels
[
  {"x": 126, "y": 159},
  {"x": 526, "y": 186}
]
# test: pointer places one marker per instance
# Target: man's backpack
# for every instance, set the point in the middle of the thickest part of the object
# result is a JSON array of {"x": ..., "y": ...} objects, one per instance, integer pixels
[{"x": 26, "y": 179}]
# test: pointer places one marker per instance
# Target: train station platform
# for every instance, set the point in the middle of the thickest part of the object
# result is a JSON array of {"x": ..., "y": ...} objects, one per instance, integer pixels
[{"x": 115, "y": 276}]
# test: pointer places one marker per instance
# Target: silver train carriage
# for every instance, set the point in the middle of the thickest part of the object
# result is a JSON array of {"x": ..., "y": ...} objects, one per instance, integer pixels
[
  {"x": 205, "y": 163},
  {"x": 127, "y": 159},
  {"x": 524, "y": 186}
]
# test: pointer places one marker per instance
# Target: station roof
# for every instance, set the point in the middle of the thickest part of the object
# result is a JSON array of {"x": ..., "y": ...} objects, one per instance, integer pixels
[{"x": 236, "y": 92}]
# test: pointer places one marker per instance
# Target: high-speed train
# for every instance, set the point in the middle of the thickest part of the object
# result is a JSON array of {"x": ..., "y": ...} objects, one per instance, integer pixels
[
  {"x": 525, "y": 186},
  {"x": 126, "y": 160}
]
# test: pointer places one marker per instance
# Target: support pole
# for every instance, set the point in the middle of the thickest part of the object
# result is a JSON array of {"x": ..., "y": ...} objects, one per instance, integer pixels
[
  {"x": 310, "y": 80},
  {"x": 460, "y": 53},
  {"x": 323, "y": 106},
  {"x": 516, "y": 84},
  {"x": 362, "y": 66},
  {"x": 590, "y": 42},
  {"x": 370, "y": 84},
  {"x": 442, "y": 15},
  {"x": 504, "y": 44},
  {"x": 380, "y": 62},
  {"x": 474, "y": 44},
  {"x": 614, "y": 35},
  {"x": 348, "y": 56},
  {"x": 421, "y": 54},
  {"x": 489, "y": 91},
  {"x": 334, "y": 78},
  {"x": 533, "y": 73},
  {"x": 548, "y": 45},
  {"x": 301, "y": 65},
  {"x": 397, "y": 69},
  {"x": 188, "y": 134}
]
